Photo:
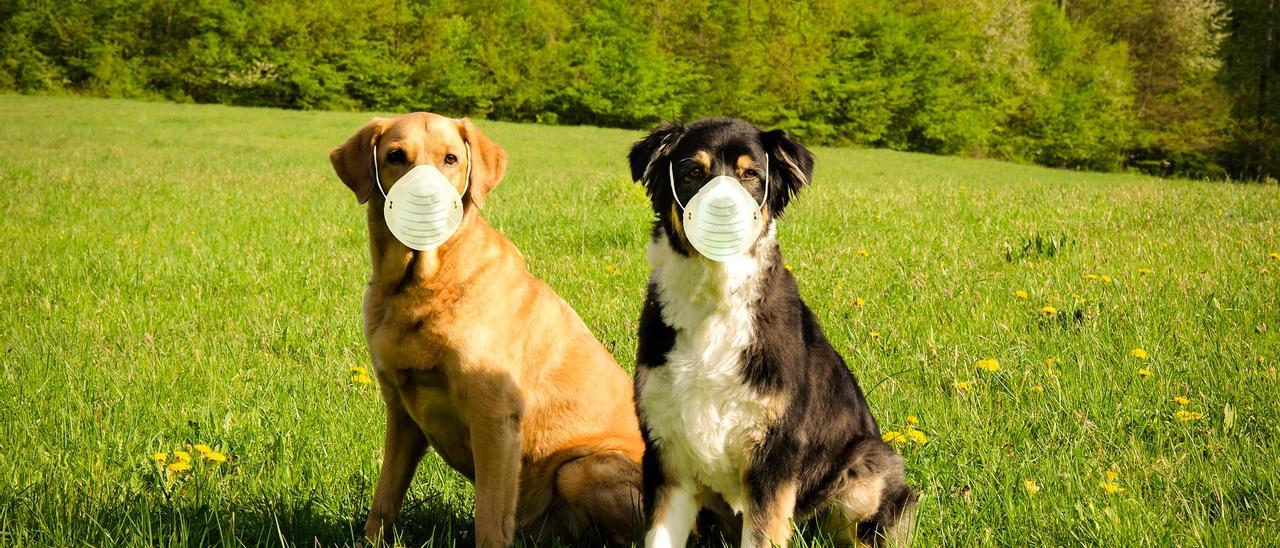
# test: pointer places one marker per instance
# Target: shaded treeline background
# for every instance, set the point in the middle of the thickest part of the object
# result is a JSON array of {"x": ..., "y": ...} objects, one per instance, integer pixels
[{"x": 1166, "y": 86}]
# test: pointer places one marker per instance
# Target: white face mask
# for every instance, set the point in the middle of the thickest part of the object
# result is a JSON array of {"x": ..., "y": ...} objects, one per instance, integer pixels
[
  {"x": 722, "y": 220},
  {"x": 423, "y": 210}
]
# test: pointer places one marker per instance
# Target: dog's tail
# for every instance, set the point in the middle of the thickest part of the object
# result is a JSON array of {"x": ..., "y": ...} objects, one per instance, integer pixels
[{"x": 540, "y": 476}]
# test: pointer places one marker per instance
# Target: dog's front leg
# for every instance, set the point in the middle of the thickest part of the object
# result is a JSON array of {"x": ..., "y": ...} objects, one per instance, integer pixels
[
  {"x": 675, "y": 508},
  {"x": 766, "y": 521},
  {"x": 496, "y": 445},
  {"x": 402, "y": 449}
]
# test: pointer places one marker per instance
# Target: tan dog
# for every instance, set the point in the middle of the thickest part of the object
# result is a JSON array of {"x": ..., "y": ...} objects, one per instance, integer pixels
[{"x": 480, "y": 360}]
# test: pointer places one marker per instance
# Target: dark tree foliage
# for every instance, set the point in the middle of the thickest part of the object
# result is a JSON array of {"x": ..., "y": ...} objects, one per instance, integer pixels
[
  {"x": 1161, "y": 85},
  {"x": 1251, "y": 74}
]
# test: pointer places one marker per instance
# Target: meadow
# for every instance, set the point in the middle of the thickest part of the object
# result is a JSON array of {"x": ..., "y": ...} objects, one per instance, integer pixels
[{"x": 1066, "y": 358}]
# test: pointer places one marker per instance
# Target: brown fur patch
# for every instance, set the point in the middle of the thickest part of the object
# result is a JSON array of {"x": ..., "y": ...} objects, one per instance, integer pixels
[
  {"x": 678, "y": 222},
  {"x": 745, "y": 162},
  {"x": 704, "y": 159},
  {"x": 772, "y": 524}
]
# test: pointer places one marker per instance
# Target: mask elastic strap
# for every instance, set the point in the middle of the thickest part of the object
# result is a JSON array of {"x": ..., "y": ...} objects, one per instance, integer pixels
[
  {"x": 467, "y": 186},
  {"x": 378, "y": 179},
  {"x": 671, "y": 177},
  {"x": 766, "y": 184}
]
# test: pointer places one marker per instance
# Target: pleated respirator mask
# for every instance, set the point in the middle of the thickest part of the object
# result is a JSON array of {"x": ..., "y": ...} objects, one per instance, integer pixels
[
  {"x": 722, "y": 220},
  {"x": 423, "y": 210}
]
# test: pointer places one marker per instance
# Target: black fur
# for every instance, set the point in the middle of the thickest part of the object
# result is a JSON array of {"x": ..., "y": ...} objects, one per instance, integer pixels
[
  {"x": 827, "y": 436},
  {"x": 661, "y": 338}
]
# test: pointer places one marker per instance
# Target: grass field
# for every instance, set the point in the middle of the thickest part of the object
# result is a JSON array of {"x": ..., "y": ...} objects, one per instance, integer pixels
[{"x": 176, "y": 275}]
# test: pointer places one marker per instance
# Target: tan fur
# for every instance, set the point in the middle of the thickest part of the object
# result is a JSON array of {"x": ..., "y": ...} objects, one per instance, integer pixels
[
  {"x": 771, "y": 525},
  {"x": 678, "y": 221},
  {"x": 483, "y": 362},
  {"x": 704, "y": 159},
  {"x": 859, "y": 501},
  {"x": 744, "y": 163}
]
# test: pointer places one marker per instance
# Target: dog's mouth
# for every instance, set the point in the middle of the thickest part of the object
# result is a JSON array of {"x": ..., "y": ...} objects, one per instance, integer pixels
[{"x": 673, "y": 224}]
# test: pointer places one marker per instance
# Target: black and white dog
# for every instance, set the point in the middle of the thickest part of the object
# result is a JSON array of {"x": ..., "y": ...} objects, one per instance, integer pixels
[{"x": 740, "y": 396}]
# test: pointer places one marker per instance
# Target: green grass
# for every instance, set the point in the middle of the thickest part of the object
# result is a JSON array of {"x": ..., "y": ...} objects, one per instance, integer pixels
[{"x": 177, "y": 274}]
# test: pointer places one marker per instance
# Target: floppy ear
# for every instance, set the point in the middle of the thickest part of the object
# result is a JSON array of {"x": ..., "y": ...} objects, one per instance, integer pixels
[
  {"x": 647, "y": 152},
  {"x": 353, "y": 161},
  {"x": 488, "y": 162},
  {"x": 790, "y": 167}
]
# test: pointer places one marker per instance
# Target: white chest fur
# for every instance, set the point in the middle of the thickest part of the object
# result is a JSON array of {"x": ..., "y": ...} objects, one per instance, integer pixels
[{"x": 698, "y": 406}]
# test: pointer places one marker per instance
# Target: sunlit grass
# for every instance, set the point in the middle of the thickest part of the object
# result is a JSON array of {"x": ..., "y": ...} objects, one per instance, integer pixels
[{"x": 178, "y": 276}]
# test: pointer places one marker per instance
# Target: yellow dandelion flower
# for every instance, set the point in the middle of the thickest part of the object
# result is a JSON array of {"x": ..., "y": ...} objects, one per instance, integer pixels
[
  {"x": 1037, "y": 389},
  {"x": 180, "y": 466},
  {"x": 1146, "y": 271},
  {"x": 159, "y": 457},
  {"x": 1181, "y": 400},
  {"x": 202, "y": 448},
  {"x": 1090, "y": 276},
  {"x": 1187, "y": 416},
  {"x": 182, "y": 456},
  {"x": 1138, "y": 353},
  {"x": 361, "y": 378},
  {"x": 917, "y": 436},
  {"x": 612, "y": 269},
  {"x": 1111, "y": 487},
  {"x": 989, "y": 365},
  {"x": 963, "y": 386},
  {"x": 911, "y": 419},
  {"x": 875, "y": 335},
  {"x": 863, "y": 251},
  {"x": 1048, "y": 362},
  {"x": 356, "y": 370},
  {"x": 894, "y": 437},
  {"x": 1274, "y": 256},
  {"x": 1105, "y": 278},
  {"x": 858, "y": 302},
  {"x": 1020, "y": 294},
  {"x": 1031, "y": 487},
  {"x": 215, "y": 456},
  {"x": 1144, "y": 372},
  {"x": 1049, "y": 310},
  {"x": 787, "y": 266}
]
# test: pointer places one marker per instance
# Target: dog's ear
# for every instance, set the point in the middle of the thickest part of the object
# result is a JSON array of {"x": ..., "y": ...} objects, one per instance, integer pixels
[
  {"x": 646, "y": 154},
  {"x": 353, "y": 161},
  {"x": 790, "y": 167},
  {"x": 488, "y": 162}
]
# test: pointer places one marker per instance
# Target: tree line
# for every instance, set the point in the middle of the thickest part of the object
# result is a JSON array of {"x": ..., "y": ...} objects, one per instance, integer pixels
[{"x": 1166, "y": 86}]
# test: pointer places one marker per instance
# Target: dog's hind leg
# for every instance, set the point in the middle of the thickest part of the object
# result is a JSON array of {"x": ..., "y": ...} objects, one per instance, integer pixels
[
  {"x": 875, "y": 507},
  {"x": 602, "y": 490},
  {"x": 403, "y": 448}
]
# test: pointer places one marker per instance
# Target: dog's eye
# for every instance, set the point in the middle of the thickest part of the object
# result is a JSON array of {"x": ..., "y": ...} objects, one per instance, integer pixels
[
  {"x": 450, "y": 159},
  {"x": 750, "y": 174},
  {"x": 697, "y": 172},
  {"x": 396, "y": 157}
]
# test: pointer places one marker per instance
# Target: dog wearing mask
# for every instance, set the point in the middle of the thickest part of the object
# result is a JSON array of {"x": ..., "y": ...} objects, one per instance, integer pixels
[
  {"x": 475, "y": 357},
  {"x": 742, "y": 400}
]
